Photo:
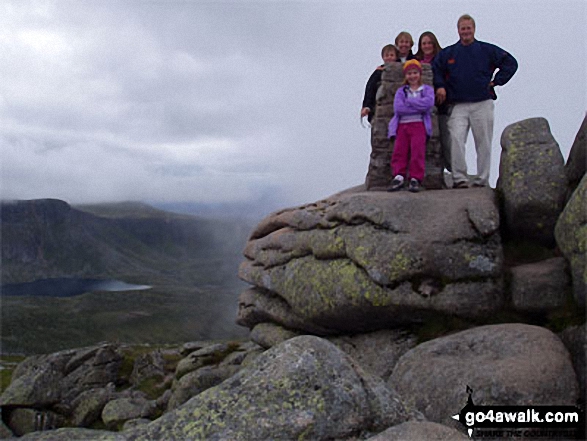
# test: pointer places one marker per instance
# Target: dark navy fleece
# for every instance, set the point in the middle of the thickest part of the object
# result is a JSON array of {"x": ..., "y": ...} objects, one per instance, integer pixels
[{"x": 466, "y": 71}]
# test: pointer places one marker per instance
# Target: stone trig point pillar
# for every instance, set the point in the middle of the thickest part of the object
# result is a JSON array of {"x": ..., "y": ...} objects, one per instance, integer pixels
[{"x": 379, "y": 174}]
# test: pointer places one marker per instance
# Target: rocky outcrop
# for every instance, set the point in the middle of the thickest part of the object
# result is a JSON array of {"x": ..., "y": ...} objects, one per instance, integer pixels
[
  {"x": 576, "y": 165},
  {"x": 575, "y": 339},
  {"x": 511, "y": 364},
  {"x": 420, "y": 430},
  {"x": 304, "y": 388},
  {"x": 375, "y": 274},
  {"x": 359, "y": 262},
  {"x": 540, "y": 287},
  {"x": 111, "y": 385},
  {"x": 532, "y": 181},
  {"x": 571, "y": 237},
  {"x": 379, "y": 173}
]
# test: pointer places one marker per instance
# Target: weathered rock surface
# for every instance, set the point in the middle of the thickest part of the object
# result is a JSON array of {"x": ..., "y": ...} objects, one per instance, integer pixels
[
  {"x": 511, "y": 364},
  {"x": 575, "y": 340},
  {"x": 198, "y": 381},
  {"x": 120, "y": 410},
  {"x": 571, "y": 237},
  {"x": 303, "y": 388},
  {"x": 45, "y": 380},
  {"x": 540, "y": 287},
  {"x": 576, "y": 165},
  {"x": 359, "y": 262},
  {"x": 74, "y": 434},
  {"x": 211, "y": 354},
  {"x": 88, "y": 406},
  {"x": 376, "y": 352},
  {"x": 420, "y": 430},
  {"x": 532, "y": 181}
]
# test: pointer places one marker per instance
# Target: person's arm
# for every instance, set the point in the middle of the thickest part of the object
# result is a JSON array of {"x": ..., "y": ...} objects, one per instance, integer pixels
[
  {"x": 369, "y": 100},
  {"x": 400, "y": 107},
  {"x": 438, "y": 67},
  {"x": 424, "y": 102},
  {"x": 506, "y": 64}
]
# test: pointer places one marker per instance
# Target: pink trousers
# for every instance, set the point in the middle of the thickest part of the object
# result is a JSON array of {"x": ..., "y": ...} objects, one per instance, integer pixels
[{"x": 410, "y": 146}]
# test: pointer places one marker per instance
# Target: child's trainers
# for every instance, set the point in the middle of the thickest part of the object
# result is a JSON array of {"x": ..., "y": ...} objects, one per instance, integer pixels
[
  {"x": 397, "y": 183},
  {"x": 414, "y": 186}
]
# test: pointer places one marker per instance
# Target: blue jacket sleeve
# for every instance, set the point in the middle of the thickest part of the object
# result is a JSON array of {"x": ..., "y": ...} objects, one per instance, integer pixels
[
  {"x": 438, "y": 69},
  {"x": 506, "y": 64}
]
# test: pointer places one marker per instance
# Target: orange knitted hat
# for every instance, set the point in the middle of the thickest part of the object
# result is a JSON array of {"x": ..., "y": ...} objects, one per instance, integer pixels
[{"x": 412, "y": 64}]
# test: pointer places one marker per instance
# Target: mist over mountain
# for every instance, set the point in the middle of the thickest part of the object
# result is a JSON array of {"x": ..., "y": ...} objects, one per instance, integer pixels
[{"x": 190, "y": 262}]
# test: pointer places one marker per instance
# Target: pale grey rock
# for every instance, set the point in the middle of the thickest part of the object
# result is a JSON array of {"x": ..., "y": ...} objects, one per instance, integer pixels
[
  {"x": 576, "y": 165},
  {"x": 267, "y": 335},
  {"x": 87, "y": 407},
  {"x": 376, "y": 352},
  {"x": 420, "y": 431},
  {"x": 540, "y": 287},
  {"x": 74, "y": 434},
  {"x": 359, "y": 262},
  {"x": 132, "y": 424},
  {"x": 510, "y": 364},
  {"x": 303, "y": 388},
  {"x": 575, "y": 340},
  {"x": 120, "y": 410},
  {"x": 196, "y": 382},
  {"x": 211, "y": 354},
  {"x": 532, "y": 181},
  {"x": 571, "y": 237},
  {"x": 149, "y": 366}
]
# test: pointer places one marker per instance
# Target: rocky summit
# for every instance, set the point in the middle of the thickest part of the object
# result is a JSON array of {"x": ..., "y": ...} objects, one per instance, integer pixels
[
  {"x": 373, "y": 316},
  {"x": 361, "y": 261}
]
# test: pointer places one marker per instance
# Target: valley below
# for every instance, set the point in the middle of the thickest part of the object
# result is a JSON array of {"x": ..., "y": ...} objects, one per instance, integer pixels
[{"x": 185, "y": 269}]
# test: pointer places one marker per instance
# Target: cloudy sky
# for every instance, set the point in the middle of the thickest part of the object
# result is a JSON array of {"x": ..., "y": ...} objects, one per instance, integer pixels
[{"x": 240, "y": 100}]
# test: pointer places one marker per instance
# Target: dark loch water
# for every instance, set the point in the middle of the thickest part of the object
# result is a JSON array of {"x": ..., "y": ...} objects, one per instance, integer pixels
[{"x": 66, "y": 287}]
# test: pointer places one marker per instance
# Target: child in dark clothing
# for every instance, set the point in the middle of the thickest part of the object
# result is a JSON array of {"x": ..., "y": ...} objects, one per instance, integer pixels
[{"x": 389, "y": 54}]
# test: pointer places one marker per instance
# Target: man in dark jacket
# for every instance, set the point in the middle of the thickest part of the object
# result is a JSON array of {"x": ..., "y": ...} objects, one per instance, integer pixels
[{"x": 464, "y": 78}]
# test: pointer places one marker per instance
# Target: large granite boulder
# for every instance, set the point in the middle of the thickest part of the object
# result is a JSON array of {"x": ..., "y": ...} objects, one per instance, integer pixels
[
  {"x": 304, "y": 388},
  {"x": 571, "y": 237},
  {"x": 532, "y": 181},
  {"x": 364, "y": 261},
  {"x": 510, "y": 364},
  {"x": 575, "y": 340},
  {"x": 540, "y": 287},
  {"x": 420, "y": 431},
  {"x": 576, "y": 165}
]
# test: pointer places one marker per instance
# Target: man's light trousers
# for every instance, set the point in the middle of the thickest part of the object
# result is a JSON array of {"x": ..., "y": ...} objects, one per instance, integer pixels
[{"x": 479, "y": 118}]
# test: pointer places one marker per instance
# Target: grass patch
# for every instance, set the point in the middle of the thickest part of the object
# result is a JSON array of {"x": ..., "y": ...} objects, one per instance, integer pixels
[{"x": 7, "y": 365}]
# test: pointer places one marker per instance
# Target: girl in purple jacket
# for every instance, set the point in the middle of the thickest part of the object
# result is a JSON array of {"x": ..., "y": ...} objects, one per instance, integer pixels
[{"x": 412, "y": 126}]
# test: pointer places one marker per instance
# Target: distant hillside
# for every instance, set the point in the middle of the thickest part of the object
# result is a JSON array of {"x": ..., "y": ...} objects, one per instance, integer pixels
[
  {"x": 49, "y": 238},
  {"x": 190, "y": 262}
]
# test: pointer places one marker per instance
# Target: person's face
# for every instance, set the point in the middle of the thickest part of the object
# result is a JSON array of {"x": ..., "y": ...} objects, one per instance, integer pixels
[
  {"x": 427, "y": 45},
  {"x": 466, "y": 31},
  {"x": 389, "y": 56},
  {"x": 413, "y": 77},
  {"x": 404, "y": 46}
]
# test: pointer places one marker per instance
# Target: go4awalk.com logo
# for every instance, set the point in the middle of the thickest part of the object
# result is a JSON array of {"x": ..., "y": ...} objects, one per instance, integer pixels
[{"x": 548, "y": 422}]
